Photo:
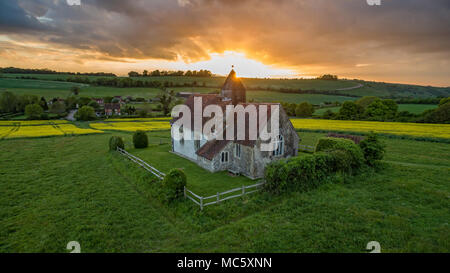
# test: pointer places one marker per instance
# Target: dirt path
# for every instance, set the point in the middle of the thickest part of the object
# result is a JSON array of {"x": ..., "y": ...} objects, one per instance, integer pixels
[{"x": 351, "y": 88}]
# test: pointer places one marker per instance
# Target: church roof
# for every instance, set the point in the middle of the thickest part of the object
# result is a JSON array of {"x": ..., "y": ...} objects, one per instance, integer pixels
[{"x": 233, "y": 83}]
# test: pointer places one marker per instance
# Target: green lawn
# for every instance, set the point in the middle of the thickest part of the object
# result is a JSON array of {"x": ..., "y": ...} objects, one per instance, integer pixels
[{"x": 60, "y": 189}]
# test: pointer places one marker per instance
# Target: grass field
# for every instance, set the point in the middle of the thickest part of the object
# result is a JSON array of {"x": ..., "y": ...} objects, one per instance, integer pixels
[
  {"x": 416, "y": 108},
  {"x": 56, "y": 190},
  {"x": 257, "y": 88}
]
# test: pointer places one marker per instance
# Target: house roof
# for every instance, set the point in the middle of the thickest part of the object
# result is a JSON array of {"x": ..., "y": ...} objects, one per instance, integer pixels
[
  {"x": 214, "y": 147},
  {"x": 112, "y": 106}
]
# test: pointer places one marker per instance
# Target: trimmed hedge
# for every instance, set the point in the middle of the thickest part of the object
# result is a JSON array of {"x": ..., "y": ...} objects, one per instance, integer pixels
[
  {"x": 140, "y": 139},
  {"x": 372, "y": 149},
  {"x": 301, "y": 173},
  {"x": 353, "y": 153},
  {"x": 308, "y": 171},
  {"x": 115, "y": 142},
  {"x": 173, "y": 185}
]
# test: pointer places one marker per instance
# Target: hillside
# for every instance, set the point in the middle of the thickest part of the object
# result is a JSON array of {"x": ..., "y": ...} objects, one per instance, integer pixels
[{"x": 50, "y": 85}]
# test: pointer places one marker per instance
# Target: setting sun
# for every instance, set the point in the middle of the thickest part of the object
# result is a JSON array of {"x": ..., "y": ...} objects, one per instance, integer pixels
[{"x": 220, "y": 64}]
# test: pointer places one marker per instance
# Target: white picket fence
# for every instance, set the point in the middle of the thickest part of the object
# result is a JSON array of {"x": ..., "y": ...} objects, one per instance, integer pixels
[
  {"x": 201, "y": 201},
  {"x": 142, "y": 163}
]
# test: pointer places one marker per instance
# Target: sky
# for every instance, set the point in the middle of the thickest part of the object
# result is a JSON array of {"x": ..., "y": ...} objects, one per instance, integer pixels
[{"x": 404, "y": 41}]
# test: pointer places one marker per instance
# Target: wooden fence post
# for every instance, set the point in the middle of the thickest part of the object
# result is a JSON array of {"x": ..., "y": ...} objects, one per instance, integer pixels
[
  {"x": 218, "y": 196},
  {"x": 243, "y": 189},
  {"x": 201, "y": 203},
  {"x": 184, "y": 189}
]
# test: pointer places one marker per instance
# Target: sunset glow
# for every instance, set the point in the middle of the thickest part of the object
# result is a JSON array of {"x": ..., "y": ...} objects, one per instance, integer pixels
[{"x": 221, "y": 64}]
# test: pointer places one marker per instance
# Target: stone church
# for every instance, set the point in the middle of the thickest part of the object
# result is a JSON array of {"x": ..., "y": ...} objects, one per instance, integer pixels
[{"x": 236, "y": 156}]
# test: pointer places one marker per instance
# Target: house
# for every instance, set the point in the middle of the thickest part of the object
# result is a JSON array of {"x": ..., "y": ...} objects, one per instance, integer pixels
[
  {"x": 112, "y": 109},
  {"x": 237, "y": 156},
  {"x": 184, "y": 95},
  {"x": 100, "y": 101},
  {"x": 120, "y": 100}
]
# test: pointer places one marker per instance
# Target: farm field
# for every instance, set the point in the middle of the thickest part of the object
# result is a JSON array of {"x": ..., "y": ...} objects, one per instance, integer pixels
[
  {"x": 218, "y": 81},
  {"x": 53, "y": 89},
  {"x": 132, "y": 126},
  {"x": 33, "y": 129},
  {"x": 390, "y": 128},
  {"x": 417, "y": 130},
  {"x": 105, "y": 202},
  {"x": 416, "y": 108}
]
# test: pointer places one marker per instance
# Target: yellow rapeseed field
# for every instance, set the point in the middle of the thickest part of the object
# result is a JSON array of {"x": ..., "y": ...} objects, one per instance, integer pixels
[
  {"x": 132, "y": 126},
  {"x": 30, "y": 122},
  {"x": 392, "y": 128},
  {"x": 139, "y": 119},
  {"x": 26, "y": 131}
]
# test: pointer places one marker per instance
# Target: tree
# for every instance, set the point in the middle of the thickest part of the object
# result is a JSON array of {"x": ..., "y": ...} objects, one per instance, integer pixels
[
  {"x": 366, "y": 101},
  {"x": 350, "y": 111},
  {"x": 381, "y": 110},
  {"x": 439, "y": 115},
  {"x": 328, "y": 77},
  {"x": 43, "y": 104},
  {"x": 58, "y": 108},
  {"x": 304, "y": 110},
  {"x": 140, "y": 139},
  {"x": 372, "y": 148},
  {"x": 83, "y": 101},
  {"x": 24, "y": 100},
  {"x": 328, "y": 114},
  {"x": 75, "y": 90},
  {"x": 94, "y": 104},
  {"x": 166, "y": 99},
  {"x": 444, "y": 101},
  {"x": 145, "y": 73},
  {"x": 108, "y": 99},
  {"x": 8, "y": 102},
  {"x": 173, "y": 185},
  {"x": 71, "y": 102},
  {"x": 85, "y": 113},
  {"x": 133, "y": 74},
  {"x": 33, "y": 111}
]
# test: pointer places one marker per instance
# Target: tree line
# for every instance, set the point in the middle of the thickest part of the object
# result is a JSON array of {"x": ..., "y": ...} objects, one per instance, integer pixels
[
  {"x": 161, "y": 73},
  {"x": 14, "y": 70},
  {"x": 376, "y": 109}
]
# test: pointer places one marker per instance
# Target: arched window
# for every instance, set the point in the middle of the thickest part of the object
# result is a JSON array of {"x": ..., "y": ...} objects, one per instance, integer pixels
[{"x": 279, "y": 148}]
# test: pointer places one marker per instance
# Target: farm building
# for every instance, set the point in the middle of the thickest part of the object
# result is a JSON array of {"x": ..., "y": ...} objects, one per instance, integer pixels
[
  {"x": 237, "y": 156},
  {"x": 112, "y": 109}
]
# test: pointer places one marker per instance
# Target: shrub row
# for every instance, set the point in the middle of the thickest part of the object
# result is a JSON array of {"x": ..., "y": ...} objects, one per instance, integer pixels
[{"x": 332, "y": 155}]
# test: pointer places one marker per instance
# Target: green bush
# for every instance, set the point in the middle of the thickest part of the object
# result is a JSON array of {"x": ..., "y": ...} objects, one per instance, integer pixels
[
  {"x": 33, "y": 111},
  {"x": 353, "y": 152},
  {"x": 372, "y": 149},
  {"x": 114, "y": 142},
  {"x": 140, "y": 139},
  {"x": 85, "y": 113},
  {"x": 173, "y": 185},
  {"x": 301, "y": 173}
]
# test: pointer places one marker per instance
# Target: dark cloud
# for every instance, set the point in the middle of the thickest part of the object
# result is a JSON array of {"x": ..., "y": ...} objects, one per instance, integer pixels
[{"x": 288, "y": 32}]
